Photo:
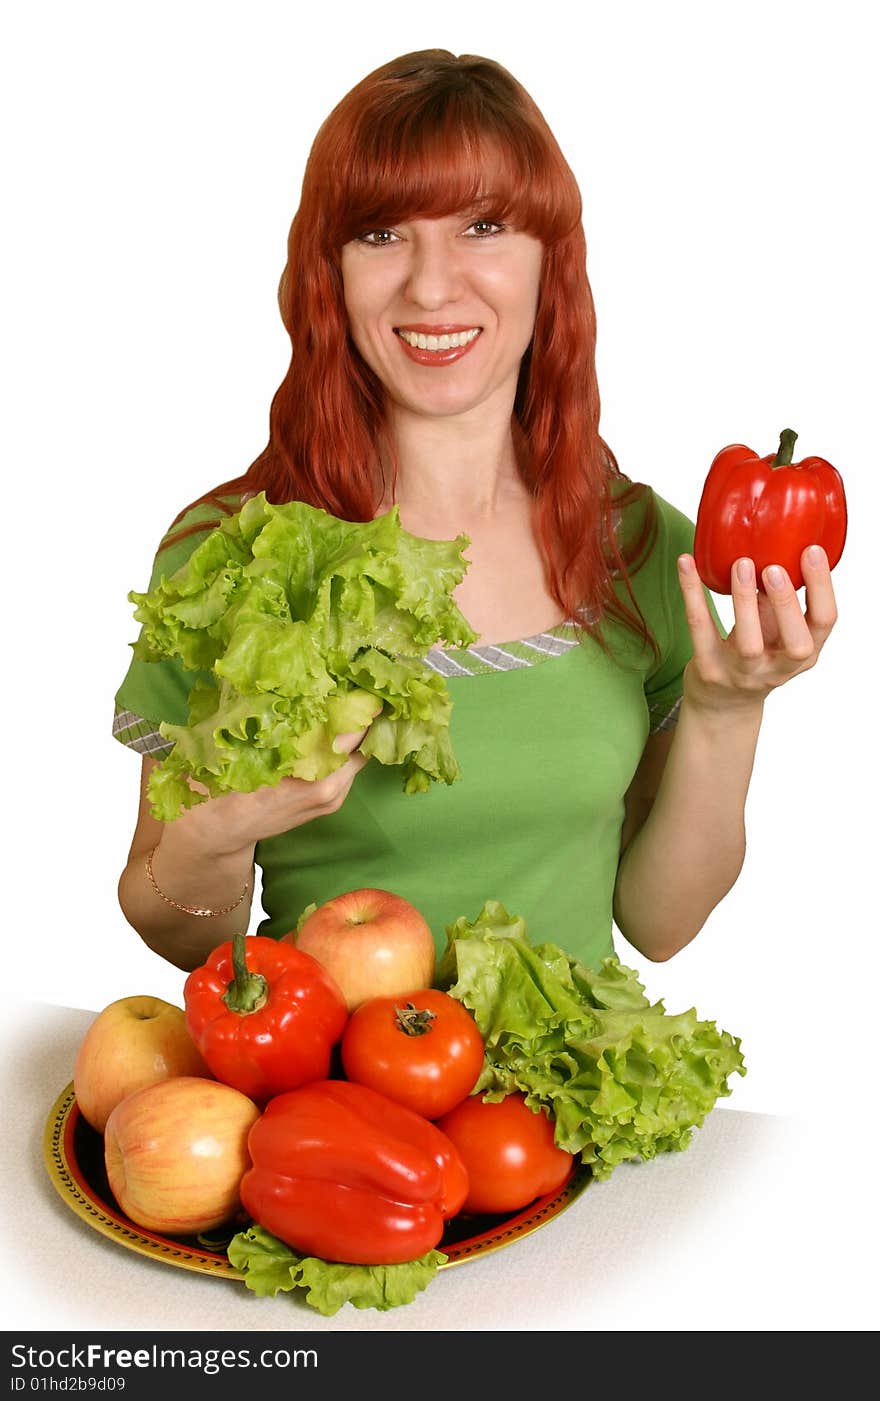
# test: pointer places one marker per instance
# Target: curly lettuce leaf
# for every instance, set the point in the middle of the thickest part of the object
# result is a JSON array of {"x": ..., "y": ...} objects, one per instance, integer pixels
[
  {"x": 308, "y": 627},
  {"x": 271, "y": 1267},
  {"x": 620, "y": 1076}
]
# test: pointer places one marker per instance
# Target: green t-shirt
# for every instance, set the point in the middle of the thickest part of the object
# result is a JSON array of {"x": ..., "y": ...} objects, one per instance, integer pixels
[{"x": 548, "y": 732}]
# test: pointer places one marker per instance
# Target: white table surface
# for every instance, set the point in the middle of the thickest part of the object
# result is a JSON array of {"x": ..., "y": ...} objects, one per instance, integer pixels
[{"x": 750, "y": 1228}]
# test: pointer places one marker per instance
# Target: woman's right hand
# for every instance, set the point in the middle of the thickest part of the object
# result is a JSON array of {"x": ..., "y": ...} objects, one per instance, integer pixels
[
  {"x": 235, "y": 822},
  {"x": 205, "y": 857}
]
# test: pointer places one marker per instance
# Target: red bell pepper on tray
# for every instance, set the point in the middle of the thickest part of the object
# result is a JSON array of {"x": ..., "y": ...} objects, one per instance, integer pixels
[
  {"x": 346, "y": 1174},
  {"x": 768, "y": 509},
  {"x": 264, "y": 1015}
]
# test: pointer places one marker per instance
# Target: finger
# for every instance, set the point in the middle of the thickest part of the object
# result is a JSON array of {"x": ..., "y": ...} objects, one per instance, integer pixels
[
  {"x": 354, "y": 765},
  {"x": 821, "y": 605},
  {"x": 795, "y": 638},
  {"x": 333, "y": 790},
  {"x": 197, "y": 786},
  {"x": 701, "y": 624},
  {"x": 747, "y": 633},
  {"x": 344, "y": 744}
]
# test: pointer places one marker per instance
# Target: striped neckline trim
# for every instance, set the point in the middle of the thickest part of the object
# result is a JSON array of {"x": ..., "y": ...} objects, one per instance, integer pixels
[{"x": 503, "y": 656}]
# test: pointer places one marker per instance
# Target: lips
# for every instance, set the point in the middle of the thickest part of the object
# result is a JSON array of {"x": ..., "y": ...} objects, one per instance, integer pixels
[{"x": 421, "y": 355}]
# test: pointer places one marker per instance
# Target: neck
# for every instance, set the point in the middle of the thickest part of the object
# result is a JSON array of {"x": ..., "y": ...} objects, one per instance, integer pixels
[{"x": 460, "y": 465}]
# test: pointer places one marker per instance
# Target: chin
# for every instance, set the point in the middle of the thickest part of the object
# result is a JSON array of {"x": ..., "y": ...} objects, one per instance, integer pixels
[{"x": 444, "y": 401}]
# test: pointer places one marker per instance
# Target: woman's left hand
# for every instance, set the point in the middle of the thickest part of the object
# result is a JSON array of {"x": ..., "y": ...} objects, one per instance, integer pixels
[{"x": 772, "y": 639}]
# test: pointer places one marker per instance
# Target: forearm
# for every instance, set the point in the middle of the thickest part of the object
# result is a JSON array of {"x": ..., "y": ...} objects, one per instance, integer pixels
[
  {"x": 690, "y": 849},
  {"x": 186, "y": 873}
]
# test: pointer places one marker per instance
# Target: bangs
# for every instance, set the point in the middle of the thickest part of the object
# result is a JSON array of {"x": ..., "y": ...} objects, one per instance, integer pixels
[{"x": 449, "y": 155}]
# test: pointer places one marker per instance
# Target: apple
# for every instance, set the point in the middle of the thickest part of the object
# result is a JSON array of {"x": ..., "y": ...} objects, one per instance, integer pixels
[
  {"x": 132, "y": 1043},
  {"x": 372, "y": 942},
  {"x": 176, "y": 1151}
]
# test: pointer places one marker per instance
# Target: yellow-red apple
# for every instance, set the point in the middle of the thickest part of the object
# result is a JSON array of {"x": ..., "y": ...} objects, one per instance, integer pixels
[
  {"x": 132, "y": 1043},
  {"x": 176, "y": 1152},
  {"x": 374, "y": 943}
]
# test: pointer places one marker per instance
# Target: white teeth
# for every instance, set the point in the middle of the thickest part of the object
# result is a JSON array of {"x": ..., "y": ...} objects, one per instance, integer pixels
[{"x": 444, "y": 342}]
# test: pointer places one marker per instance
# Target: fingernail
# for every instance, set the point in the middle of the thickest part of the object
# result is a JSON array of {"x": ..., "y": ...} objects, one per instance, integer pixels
[
  {"x": 685, "y": 564},
  {"x": 774, "y": 576},
  {"x": 745, "y": 571},
  {"x": 815, "y": 555}
]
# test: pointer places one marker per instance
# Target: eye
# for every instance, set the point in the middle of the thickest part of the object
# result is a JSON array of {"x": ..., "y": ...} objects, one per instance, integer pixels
[
  {"x": 486, "y": 228},
  {"x": 376, "y": 238}
]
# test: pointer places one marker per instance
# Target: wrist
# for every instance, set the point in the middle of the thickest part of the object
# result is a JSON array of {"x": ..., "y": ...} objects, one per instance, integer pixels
[
  {"x": 198, "y": 882},
  {"x": 723, "y": 719},
  {"x": 721, "y": 708},
  {"x": 195, "y": 838}
]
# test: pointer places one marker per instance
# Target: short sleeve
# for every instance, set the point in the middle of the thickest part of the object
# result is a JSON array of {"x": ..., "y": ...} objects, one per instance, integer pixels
[
  {"x": 664, "y": 683},
  {"x": 153, "y": 692}
]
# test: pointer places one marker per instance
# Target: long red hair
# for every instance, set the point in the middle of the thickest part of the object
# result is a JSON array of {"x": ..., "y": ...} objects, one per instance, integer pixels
[{"x": 421, "y": 137}]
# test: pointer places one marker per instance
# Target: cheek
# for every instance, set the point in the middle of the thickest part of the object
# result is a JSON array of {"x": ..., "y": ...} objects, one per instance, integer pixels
[
  {"x": 359, "y": 326},
  {"x": 358, "y": 333},
  {"x": 365, "y": 302},
  {"x": 530, "y": 283},
  {"x": 513, "y": 291},
  {"x": 355, "y": 314},
  {"x": 360, "y": 297},
  {"x": 519, "y": 312}
]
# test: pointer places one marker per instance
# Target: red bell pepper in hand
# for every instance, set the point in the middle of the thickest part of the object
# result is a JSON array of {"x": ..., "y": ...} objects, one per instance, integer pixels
[
  {"x": 346, "y": 1174},
  {"x": 264, "y": 1015},
  {"x": 768, "y": 509}
]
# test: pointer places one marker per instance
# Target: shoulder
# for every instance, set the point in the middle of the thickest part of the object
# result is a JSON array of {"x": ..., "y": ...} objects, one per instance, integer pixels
[
  {"x": 636, "y": 502},
  {"x": 675, "y": 527},
  {"x": 187, "y": 531},
  {"x": 650, "y": 531}
]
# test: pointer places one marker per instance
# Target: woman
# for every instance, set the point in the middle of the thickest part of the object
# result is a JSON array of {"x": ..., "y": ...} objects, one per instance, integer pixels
[{"x": 443, "y": 358}]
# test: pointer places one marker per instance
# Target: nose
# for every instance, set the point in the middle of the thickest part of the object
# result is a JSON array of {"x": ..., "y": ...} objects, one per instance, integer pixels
[{"x": 434, "y": 276}]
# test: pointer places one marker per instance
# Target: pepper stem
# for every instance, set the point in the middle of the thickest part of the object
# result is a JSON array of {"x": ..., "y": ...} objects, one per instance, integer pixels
[
  {"x": 247, "y": 992},
  {"x": 787, "y": 440},
  {"x": 412, "y": 1020}
]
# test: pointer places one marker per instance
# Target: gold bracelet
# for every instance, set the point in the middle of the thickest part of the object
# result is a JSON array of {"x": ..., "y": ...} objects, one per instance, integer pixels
[{"x": 189, "y": 909}]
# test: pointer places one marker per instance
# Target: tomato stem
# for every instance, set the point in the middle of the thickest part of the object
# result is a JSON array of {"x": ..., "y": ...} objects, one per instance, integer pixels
[
  {"x": 247, "y": 992},
  {"x": 787, "y": 440},
  {"x": 412, "y": 1020}
]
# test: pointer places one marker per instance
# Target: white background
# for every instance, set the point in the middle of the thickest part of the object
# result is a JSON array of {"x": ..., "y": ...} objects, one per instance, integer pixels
[{"x": 724, "y": 156}]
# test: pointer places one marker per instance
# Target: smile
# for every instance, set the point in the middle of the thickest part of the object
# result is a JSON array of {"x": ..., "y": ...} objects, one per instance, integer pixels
[
  {"x": 444, "y": 342},
  {"x": 428, "y": 348}
]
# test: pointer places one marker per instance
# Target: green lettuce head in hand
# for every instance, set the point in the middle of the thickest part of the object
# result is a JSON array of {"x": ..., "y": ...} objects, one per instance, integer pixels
[{"x": 305, "y": 627}]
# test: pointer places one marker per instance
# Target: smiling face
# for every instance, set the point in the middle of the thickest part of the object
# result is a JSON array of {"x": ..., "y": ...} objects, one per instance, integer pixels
[{"x": 442, "y": 310}]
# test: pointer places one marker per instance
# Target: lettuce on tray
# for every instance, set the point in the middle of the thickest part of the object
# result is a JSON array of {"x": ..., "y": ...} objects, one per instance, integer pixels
[
  {"x": 621, "y": 1077},
  {"x": 309, "y": 627},
  {"x": 271, "y": 1267}
]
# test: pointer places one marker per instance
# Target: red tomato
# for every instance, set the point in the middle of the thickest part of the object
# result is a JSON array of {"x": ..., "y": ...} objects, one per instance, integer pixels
[
  {"x": 423, "y": 1050},
  {"x": 508, "y": 1150}
]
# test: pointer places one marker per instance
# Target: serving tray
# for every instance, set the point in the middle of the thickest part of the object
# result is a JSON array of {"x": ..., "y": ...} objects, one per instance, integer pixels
[{"x": 74, "y": 1156}]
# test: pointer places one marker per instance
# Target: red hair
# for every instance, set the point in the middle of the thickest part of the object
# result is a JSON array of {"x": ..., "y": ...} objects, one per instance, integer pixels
[{"x": 423, "y": 136}]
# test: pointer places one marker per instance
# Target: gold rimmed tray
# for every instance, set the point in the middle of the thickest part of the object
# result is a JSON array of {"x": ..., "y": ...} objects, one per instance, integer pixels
[{"x": 74, "y": 1156}]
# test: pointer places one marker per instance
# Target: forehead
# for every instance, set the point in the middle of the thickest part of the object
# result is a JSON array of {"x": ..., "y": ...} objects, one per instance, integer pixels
[{"x": 480, "y": 178}]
